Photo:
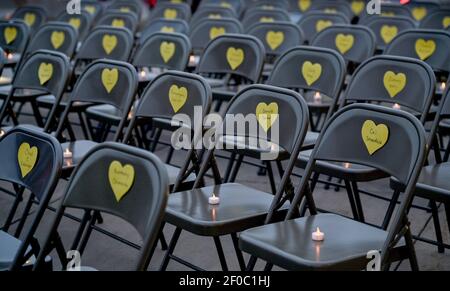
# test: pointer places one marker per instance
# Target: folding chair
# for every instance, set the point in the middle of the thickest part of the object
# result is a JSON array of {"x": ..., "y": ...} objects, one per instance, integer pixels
[
  {"x": 120, "y": 19},
  {"x": 14, "y": 41},
  {"x": 43, "y": 72},
  {"x": 93, "y": 7},
  {"x": 208, "y": 29},
  {"x": 314, "y": 22},
  {"x": 32, "y": 161},
  {"x": 237, "y": 5},
  {"x": 128, "y": 183},
  {"x": 33, "y": 16},
  {"x": 436, "y": 20},
  {"x": 241, "y": 207},
  {"x": 211, "y": 12},
  {"x": 169, "y": 10},
  {"x": 81, "y": 22},
  {"x": 333, "y": 7},
  {"x": 127, "y": 6},
  {"x": 257, "y": 15},
  {"x": 165, "y": 25},
  {"x": 386, "y": 28},
  {"x": 420, "y": 9},
  {"x": 300, "y": 6},
  {"x": 400, "y": 82},
  {"x": 347, "y": 243}
]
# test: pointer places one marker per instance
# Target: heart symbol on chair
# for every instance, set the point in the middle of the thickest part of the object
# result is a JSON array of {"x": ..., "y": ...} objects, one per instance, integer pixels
[
  {"x": 10, "y": 34},
  {"x": 304, "y": 5},
  {"x": 274, "y": 39},
  {"x": 167, "y": 29},
  {"x": 394, "y": 83},
  {"x": 235, "y": 57},
  {"x": 357, "y": 7},
  {"x": 29, "y": 18},
  {"x": 170, "y": 13},
  {"x": 419, "y": 13},
  {"x": 266, "y": 114},
  {"x": 216, "y": 31},
  {"x": 446, "y": 21},
  {"x": 110, "y": 78},
  {"x": 57, "y": 39},
  {"x": 177, "y": 97},
  {"x": 167, "y": 50},
  {"x": 266, "y": 19},
  {"x": 45, "y": 73},
  {"x": 322, "y": 24},
  {"x": 344, "y": 42},
  {"x": 374, "y": 136},
  {"x": 121, "y": 179},
  {"x": 90, "y": 9},
  {"x": 109, "y": 43},
  {"x": 311, "y": 72},
  {"x": 27, "y": 157},
  {"x": 75, "y": 22},
  {"x": 388, "y": 33},
  {"x": 118, "y": 22},
  {"x": 425, "y": 49}
]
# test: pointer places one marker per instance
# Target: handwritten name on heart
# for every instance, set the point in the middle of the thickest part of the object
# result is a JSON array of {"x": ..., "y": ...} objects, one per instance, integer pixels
[
  {"x": 266, "y": 114},
  {"x": 344, "y": 42},
  {"x": 235, "y": 57},
  {"x": 109, "y": 43},
  {"x": 216, "y": 31},
  {"x": 170, "y": 13},
  {"x": 304, "y": 5},
  {"x": 110, "y": 78},
  {"x": 10, "y": 34},
  {"x": 121, "y": 179},
  {"x": 45, "y": 73},
  {"x": 274, "y": 39},
  {"x": 388, "y": 33},
  {"x": 322, "y": 24},
  {"x": 394, "y": 83},
  {"x": 167, "y": 50},
  {"x": 27, "y": 158},
  {"x": 177, "y": 97},
  {"x": 374, "y": 136},
  {"x": 57, "y": 39},
  {"x": 425, "y": 49},
  {"x": 311, "y": 72}
]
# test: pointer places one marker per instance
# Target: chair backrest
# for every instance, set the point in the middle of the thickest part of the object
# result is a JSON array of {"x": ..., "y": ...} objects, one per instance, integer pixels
[
  {"x": 390, "y": 10},
  {"x": 174, "y": 51},
  {"x": 439, "y": 19},
  {"x": 333, "y": 7},
  {"x": 236, "y": 54},
  {"x": 386, "y": 28},
  {"x": 14, "y": 36},
  {"x": 126, "y": 6},
  {"x": 267, "y": 4},
  {"x": 431, "y": 46},
  {"x": 34, "y": 16},
  {"x": 264, "y": 15},
  {"x": 170, "y": 10},
  {"x": 107, "y": 42},
  {"x": 393, "y": 79},
  {"x": 116, "y": 18},
  {"x": 356, "y": 43},
  {"x": 237, "y": 5},
  {"x": 208, "y": 29},
  {"x": 300, "y": 6},
  {"x": 211, "y": 12},
  {"x": 165, "y": 25},
  {"x": 314, "y": 22},
  {"x": 420, "y": 9},
  {"x": 358, "y": 7},
  {"x": 278, "y": 36},
  {"x": 93, "y": 7},
  {"x": 81, "y": 22},
  {"x": 126, "y": 182},
  {"x": 310, "y": 68},
  {"x": 57, "y": 36}
]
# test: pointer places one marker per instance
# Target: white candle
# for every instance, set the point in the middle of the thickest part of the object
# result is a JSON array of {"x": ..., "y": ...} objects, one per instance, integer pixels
[
  {"x": 2, "y": 132},
  {"x": 213, "y": 200},
  {"x": 396, "y": 106},
  {"x": 347, "y": 165},
  {"x": 9, "y": 56},
  {"x": 443, "y": 86},
  {"x": 67, "y": 154},
  {"x": 318, "y": 235},
  {"x": 143, "y": 73},
  {"x": 317, "y": 97}
]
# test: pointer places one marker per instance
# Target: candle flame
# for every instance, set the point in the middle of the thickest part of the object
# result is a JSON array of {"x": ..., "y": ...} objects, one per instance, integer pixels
[
  {"x": 396, "y": 106},
  {"x": 9, "y": 56},
  {"x": 443, "y": 86},
  {"x": 347, "y": 165},
  {"x": 317, "y": 96},
  {"x": 318, "y": 230},
  {"x": 2, "y": 132},
  {"x": 214, "y": 195}
]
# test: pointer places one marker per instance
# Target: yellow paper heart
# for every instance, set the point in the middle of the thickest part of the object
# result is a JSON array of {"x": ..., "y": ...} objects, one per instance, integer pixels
[
  {"x": 10, "y": 34},
  {"x": 322, "y": 24},
  {"x": 357, "y": 7},
  {"x": 225, "y": 4},
  {"x": 267, "y": 114},
  {"x": 109, "y": 43},
  {"x": 90, "y": 9},
  {"x": 125, "y": 9},
  {"x": 176, "y": 1},
  {"x": 29, "y": 18},
  {"x": 266, "y": 19},
  {"x": 167, "y": 50},
  {"x": 167, "y": 29},
  {"x": 425, "y": 49},
  {"x": 235, "y": 57},
  {"x": 304, "y": 5},
  {"x": 374, "y": 136},
  {"x": 216, "y": 31},
  {"x": 330, "y": 10},
  {"x": 45, "y": 73},
  {"x": 177, "y": 97},
  {"x": 57, "y": 39},
  {"x": 121, "y": 179},
  {"x": 75, "y": 22},
  {"x": 344, "y": 42},
  {"x": 388, "y": 33},
  {"x": 311, "y": 72},
  {"x": 274, "y": 39},
  {"x": 27, "y": 158},
  {"x": 110, "y": 78},
  {"x": 394, "y": 83},
  {"x": 215, "y": 16},
  {"x": 419, "y": 13},
  {"x": 118, "y": 22},
  {"x": 170, "y": 13},
  {"x": 446, "y": 21},
  {"x": 388, "y": 13}
]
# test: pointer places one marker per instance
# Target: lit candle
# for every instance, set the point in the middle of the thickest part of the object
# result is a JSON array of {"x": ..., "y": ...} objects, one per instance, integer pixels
[
  {"x": 317, "y": 97},
  {"x": 347, "y": 165},
  {"x": 2, "y": 132},
  {"x": 67, "y": 154},
  {"x": 443, "y": 86},
  {"x": 213, "y": 200},
  {"x": 143, "y": 73},
  {"x": 9, "y": 56},
  {"x": 318, "y": 235},
  {"x": 396, "y": 106}
]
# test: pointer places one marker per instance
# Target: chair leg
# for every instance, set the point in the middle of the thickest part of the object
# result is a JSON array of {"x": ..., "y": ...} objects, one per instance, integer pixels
[
  {"x": 24, "y": 217},
  {"x": 271, "y": 178},
  {"x": 358, "y": 201},
  {"x": 251, "y": 263},
  {"x": 268, "y": 267},
  {"x": 83, "y": 126},
  {"x": 12, "y": 212},
  {"x": 172, "y": 244},
  {"x": 239, "y": 255},
  {"x": 231, "y": 161},
  {"x": 327, "y": 186},
  {"x": 236, "y": 169},
  {"x": 351, "y": 200},
  {"x": 162, "y": 238},
  {"x": 314, "y": 180},
  {"x": 390, "y": 210},
  {"x": 437, "y": 226},
  {"x": 223, "y": 261},
  {"x": 37, "y": 114},
  {"x": 155, "y": 141},
  {"x": 411, "y": 250}
]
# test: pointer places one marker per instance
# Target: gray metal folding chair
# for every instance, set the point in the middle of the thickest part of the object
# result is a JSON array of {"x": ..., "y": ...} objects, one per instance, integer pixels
[
  {"x": 14, "y": 41},
  {"x": 170, "y": 10},
  {"x": 116, "y": 18},
  {"x": 212, "y": 12},
  {"x": 436, "y": 19},
  {"x": 257, "y": 15},
  {"x": 33, "y": 16},
  {"x": 81, "y": 22},
  {"x": 165, "y": 25},
  {"x": 314, "y": 22}
]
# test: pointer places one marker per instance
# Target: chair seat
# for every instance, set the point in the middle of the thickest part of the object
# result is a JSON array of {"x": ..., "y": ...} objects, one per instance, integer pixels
[
  {"x": 20, "y": 94},
  {"x": 215, "y": 82},
  {"x": 30, "y": 126},
  {"x": 445, "y": 124},
  {"x": 226, "y": 93},
  {"x": 347, "y": 171},
  {"x": 240, "y": 208},
  {"x": 105, "y": 113},
  {"x": 9, "y": 247},
  {"x": 48, "y": 101},
  {"x": 310, "y": 139},
  {"x": 288, "y": 244},
  {"x": 253, "y": 147}
]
